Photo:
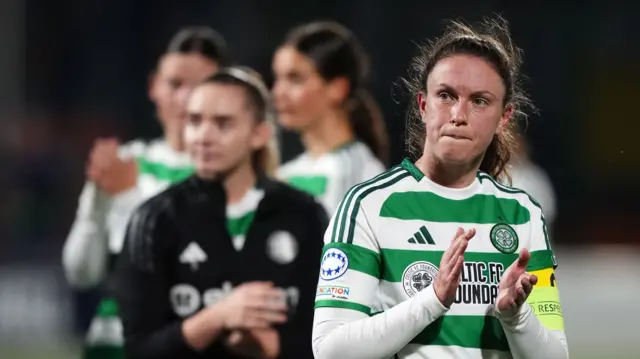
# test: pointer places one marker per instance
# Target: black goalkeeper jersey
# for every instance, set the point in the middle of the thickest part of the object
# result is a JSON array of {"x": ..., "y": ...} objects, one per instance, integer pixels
[{"x": 178, "y": 257}]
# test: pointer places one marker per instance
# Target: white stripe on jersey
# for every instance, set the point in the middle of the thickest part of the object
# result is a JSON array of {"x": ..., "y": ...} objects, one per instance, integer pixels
[{"x": 329, "y": 176}]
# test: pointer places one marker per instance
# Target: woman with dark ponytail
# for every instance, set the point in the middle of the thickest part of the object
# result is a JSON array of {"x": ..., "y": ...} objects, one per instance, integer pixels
[{"x": 319, "y": 91}]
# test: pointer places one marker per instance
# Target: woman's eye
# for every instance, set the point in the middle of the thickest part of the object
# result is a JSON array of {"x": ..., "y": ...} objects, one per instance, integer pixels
[
  {"x": 445, "y": 96},
  {"x": 481, "y": 102}
]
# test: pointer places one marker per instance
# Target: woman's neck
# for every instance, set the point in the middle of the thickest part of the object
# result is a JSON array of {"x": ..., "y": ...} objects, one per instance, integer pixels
[
  {"x": 174, "y": 140},
  {"x": 329, "y": 133},
  {"x": 448, "y": 175}
]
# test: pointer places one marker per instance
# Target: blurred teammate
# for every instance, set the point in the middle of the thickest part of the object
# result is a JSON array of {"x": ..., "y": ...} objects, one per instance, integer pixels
[
  {"x": 454, "y": 264},
  {"x": 120, "y": 177},
  {"x": 221, "y": 265},
  {"x": 533, "y": 179},
  {"x": 320, "y": 74}
]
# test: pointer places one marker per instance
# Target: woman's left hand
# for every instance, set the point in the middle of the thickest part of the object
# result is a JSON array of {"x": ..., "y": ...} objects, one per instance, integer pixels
[{"x": 515, "y": 285}]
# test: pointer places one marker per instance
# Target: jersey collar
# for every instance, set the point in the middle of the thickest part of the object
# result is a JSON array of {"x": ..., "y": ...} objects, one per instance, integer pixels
[{"x": 453, "y": 193}]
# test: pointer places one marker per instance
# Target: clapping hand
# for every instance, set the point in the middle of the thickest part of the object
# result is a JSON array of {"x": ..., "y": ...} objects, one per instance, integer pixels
[
  {"x": 254, "y": 305},
  {"x": 107, "y": 170},
  {"x": 515, "y": 285},
  {"x": 450, "y": 271}
]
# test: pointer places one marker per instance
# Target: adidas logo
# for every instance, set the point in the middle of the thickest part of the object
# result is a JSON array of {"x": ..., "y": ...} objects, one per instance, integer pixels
[
  {"x": 193, "y": 255},
  {"x": 422, "y": 237}
]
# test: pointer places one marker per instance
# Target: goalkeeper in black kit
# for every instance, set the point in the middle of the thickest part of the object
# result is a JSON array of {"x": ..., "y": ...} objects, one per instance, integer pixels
[{"x": 224, "y": 264}]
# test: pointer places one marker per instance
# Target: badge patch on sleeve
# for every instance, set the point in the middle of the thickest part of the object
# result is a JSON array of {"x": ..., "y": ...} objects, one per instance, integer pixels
[
  {"x": 545, "y": 300},
  {"x": 334, "y": 264}
]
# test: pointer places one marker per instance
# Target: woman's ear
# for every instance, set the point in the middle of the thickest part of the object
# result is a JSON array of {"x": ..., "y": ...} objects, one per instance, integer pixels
[
  {"x": 152, "y": 80},
  {"x": 422, "y": 105},
  {"x": 338, "y": 90},
  {"x": 505, "y": 118},
  {"x": 261, "y": 135}
]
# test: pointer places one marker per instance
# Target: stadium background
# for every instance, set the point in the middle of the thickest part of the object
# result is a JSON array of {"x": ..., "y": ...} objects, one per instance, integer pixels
[{"x": 72, "y": 70}]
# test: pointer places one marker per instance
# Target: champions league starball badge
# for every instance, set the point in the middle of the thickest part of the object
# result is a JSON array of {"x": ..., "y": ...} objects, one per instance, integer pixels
[{"x": 334, "y": 264}]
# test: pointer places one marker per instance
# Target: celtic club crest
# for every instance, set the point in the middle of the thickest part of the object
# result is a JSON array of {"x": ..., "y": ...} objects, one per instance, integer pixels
[{"x": 504, "y": 238}]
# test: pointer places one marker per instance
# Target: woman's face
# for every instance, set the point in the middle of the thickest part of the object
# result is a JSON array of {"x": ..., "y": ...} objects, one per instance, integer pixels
[
  {"x": 177, "y": 75},
  {"x": 462, "y": 109},
  {"x": 301, "y": 95},
  {"x": 222, "y": 133}
]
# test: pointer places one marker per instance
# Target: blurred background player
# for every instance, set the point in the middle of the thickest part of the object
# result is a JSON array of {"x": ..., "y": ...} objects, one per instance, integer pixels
[
  {"x": 320, "y": 73},
  {"x": 120, "y": 177},
  {"x": 528, "y": 176},
  {"x": 186, "y": 287},
  {"x": 454, "y": 264}
]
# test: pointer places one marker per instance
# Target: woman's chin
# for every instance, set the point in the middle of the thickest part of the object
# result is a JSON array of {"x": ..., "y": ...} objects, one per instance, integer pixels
[
  {"x": 455, "y": 156},
  {"x": 456, "y": 152},
  {"x": 291, "y": 122}
]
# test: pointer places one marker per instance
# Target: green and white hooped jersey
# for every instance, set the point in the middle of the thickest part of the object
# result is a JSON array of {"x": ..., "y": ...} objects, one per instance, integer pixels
[
  {"x": 159, "y": 166},
  {"x": 386, "y": 240},
  {"x": 330, "y": 176}
]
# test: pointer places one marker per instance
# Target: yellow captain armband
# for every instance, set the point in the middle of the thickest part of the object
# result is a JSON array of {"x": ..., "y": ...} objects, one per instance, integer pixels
[{"x": 545, "y": 300}]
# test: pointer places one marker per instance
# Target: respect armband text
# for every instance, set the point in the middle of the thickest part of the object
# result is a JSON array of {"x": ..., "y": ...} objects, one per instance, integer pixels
[{"x": 545, "y": 300}]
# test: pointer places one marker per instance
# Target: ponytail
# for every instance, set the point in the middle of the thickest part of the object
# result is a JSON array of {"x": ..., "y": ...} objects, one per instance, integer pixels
[
  {"x": 368, "y": 125},
  {"x": 337, "y": 53},
  {"x": 267, "y": 159}
]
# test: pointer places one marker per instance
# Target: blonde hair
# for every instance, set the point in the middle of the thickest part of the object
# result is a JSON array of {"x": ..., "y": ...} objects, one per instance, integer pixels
[{"x": 266, "y": 159}]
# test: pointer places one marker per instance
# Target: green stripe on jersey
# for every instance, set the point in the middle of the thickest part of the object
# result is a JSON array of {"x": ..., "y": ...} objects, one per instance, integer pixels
[
  {"x": 107, "y": 308},
  {"x": 360, "y": 259},
  {"x": 240, "y": 226},
  {"x": 480, "y": 209},
  {"x": 467, "y": 331},
  {"x": 163, "y": 172},
  {"x": 104, "y": 352},
  {"x": 395, "y": 261},
  {"x": 332, "y": 303},
  {"x": 350, "y": 205},
  {"x": 313, "y": 185}
]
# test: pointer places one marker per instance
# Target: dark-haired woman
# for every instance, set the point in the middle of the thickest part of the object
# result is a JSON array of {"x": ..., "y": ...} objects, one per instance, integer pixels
[
  {"x": 120, "y": 177},
  {"x": 320, "y": 92},
  {"x": 436, "y": 258}
]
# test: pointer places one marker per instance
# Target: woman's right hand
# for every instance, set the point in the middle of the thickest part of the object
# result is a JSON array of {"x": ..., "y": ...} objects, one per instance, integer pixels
[
  {"x": 254, "y": 305},
  {"x": 449, "y": 273}
]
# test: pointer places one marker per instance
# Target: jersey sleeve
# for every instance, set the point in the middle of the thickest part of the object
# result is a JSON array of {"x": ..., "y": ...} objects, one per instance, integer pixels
[
  {"x": 123, "y": 204},
  {"x": 544, "y": 299},
  {"x": 350, "y": 264},
  {"x": 84, "y": 256},
  {"x": 132, "y": 149},
  {"x": 141, "y": 287}
]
